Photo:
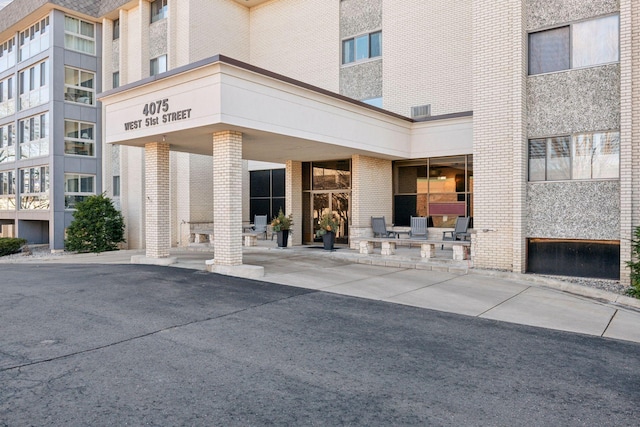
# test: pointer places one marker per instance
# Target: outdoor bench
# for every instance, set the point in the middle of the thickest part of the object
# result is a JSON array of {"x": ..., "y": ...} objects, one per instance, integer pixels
[
  {"x": 203, "y": 235},
  {"x": 461, "y": 248}
]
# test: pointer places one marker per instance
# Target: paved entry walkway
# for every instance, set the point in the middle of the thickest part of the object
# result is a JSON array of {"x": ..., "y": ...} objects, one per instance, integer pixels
[{"x": 443, "y": 286}]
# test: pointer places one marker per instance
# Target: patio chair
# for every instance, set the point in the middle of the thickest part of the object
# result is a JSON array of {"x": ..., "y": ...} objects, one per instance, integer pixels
[
  {"x": 260, "y": 225},
  {"x": 380, "y": 228},
  {"x": 460, "y": 232},
  {"x": 418, "y": 227}
]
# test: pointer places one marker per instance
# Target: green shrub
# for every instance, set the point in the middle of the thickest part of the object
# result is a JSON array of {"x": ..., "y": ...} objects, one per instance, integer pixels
[
  {"x": 10, "y": 245},
  {"x": 97, "y": 226},
  {"x": 634, "y": 290}
]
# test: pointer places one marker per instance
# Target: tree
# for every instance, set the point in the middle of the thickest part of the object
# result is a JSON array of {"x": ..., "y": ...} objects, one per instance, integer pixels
[
  {"x": 97, "y": 226},
  {"x": 634, "y": 265}
]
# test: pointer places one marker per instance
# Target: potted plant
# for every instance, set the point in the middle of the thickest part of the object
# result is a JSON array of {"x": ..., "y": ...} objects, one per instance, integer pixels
[
  {"x": 328, "y": 226},
  {"x": 281, "y": 225}
]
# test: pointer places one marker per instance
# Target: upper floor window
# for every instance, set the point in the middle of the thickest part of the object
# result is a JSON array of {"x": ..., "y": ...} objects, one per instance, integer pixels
[
  {"x": 79, "y": 35},
  {"x": 582, "y": 44},
  {"x": 78, "y": 86},
  {"x": 34, "y": 188},
  {"x": 158, "y": 65},
  {"x": 7, "y": 102},
  {"x": 7, "y": 191},
  {"x": 77, "y": 188},
  {"x": 592, "y": 155},
  {"x": 362, "y": 47},
  {"x": 33, "y": 86},
  {"x": 116, "y": 29},
  {"x": 7, "y": 143},
  {"x": 34, "y": 39},
  {"x": 33, "y": 136},
  {"x": 79, "y": 138},
  {"x": 7, "y": 54},
  {"x": 115, "y": 82},
  {"x": 159, "y": 10}
]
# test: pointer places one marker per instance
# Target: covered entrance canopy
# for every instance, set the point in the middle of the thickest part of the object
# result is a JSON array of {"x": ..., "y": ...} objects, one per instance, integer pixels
[{"x": 233, "y": 111}]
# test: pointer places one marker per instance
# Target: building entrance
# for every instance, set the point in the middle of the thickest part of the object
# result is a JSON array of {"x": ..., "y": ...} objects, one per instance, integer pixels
[{"x": 327, "y": 189}]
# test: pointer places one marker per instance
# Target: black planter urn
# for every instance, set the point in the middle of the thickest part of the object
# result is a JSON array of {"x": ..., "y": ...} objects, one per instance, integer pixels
[
  {"x": 328, "y": 239},
  {"x": 283, "y": 238}
]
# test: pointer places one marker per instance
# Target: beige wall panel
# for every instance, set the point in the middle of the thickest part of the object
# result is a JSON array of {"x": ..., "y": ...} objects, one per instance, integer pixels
[
  {"x": 133, "y": 195},
  {"x": 426, "y": 54},
  {"x": 201, "y": 188},
  {"x": 218, "y": 27},
  {"x": 371, "y": 193},
  {"x": 137, "y": 47},
  {"x": 499, "y": 143},
  {"x": 298, "y": 39}
]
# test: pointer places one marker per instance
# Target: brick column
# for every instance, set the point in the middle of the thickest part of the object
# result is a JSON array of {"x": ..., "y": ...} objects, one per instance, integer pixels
[
  {"x": 158, "y": 224},
  {"x": 371, "y": 194},
  {"x": 629, "y": 130},
  {"x": 293, "y": 199},
  {"x": 499, "y": 140},
  {"x": 227, "y": 198}
]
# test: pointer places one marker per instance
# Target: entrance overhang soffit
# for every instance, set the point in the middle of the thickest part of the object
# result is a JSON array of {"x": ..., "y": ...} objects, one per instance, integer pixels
[{"x": 281, "y": 119}]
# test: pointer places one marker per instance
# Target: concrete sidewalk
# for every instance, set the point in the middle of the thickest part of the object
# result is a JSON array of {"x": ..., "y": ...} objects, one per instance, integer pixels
[{"x": 440, "y": 285}]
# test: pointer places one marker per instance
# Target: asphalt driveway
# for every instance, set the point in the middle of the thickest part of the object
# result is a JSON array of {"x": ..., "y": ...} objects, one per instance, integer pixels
[{"x": 143, "y": 345}]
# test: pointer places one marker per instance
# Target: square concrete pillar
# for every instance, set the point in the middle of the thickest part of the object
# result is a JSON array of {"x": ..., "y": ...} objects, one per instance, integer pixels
[
  {"x": 157, "y": 207},
  {"x": 227, "y": 198},
  {"x": 293, "y": 199},
  {"x": 371, "y": 194}
]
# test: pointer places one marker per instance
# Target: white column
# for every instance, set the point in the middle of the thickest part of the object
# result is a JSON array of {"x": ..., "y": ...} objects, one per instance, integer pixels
[
  {"x": 293, "y": 199},
  {"x": 227, "y": 207},
  {"x": 158, "y": 221},
  {"x": 227, "y": 197}
]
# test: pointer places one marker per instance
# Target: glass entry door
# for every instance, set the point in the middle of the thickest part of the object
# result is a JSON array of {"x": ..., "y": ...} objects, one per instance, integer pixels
[
  {"x": 326, "y": 189},
  {"x": 336, "y": 203}
]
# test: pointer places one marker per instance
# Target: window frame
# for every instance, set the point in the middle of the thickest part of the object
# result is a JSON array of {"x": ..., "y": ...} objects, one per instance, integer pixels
[
  {"x": 29, "y": 44},
  {"x": 161, "y": 13},
  {"x": 116, "y": 29},
  {"x": 572, "y": 159},
  {"x": 78, "y": 87},
  {"x": 8, "y": 190},
  {"x": 33, "y": 91},
  {"x": 354, "y": 56},
  {"x": 35, "y": 144},
  {"x": 156, "y": 60},
  {"x": 7, "y": 96},
  {"x": 73, "y": 197},
  {"x": 572, "y": 45},
  {"x": 91, "y": 142},
  {"x": 8, "y": 54},
  {"x": 34, "y": 200},
  {"x": 70, "y": 35}
]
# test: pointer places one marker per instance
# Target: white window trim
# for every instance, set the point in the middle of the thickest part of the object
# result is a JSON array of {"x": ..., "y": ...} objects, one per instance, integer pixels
[{"x": 83, "y": 140}]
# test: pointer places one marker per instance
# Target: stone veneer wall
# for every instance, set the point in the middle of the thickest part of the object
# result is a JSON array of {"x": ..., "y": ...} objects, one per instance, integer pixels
[
  {"x": 574, "y": 210},
  {"x": 546, "y": 13},
  {"x": 158, "y": 39},
  {"x": 361, "y": 80},
  {"x": 569, "y": 102},
  {"x": 582, "y": 100}
]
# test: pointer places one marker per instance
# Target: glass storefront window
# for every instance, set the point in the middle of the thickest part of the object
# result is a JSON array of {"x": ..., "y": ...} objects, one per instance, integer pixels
[{"x": 438, "y": 187}]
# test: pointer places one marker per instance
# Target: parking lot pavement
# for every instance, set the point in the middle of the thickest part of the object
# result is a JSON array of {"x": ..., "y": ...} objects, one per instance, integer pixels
[
  {"x": 511, "y": 298},
  {"x": 104, "y": 344}
]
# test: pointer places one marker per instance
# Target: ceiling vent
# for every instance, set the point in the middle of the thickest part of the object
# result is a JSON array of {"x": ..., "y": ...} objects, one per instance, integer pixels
[{"x": 421, "y": 111}]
